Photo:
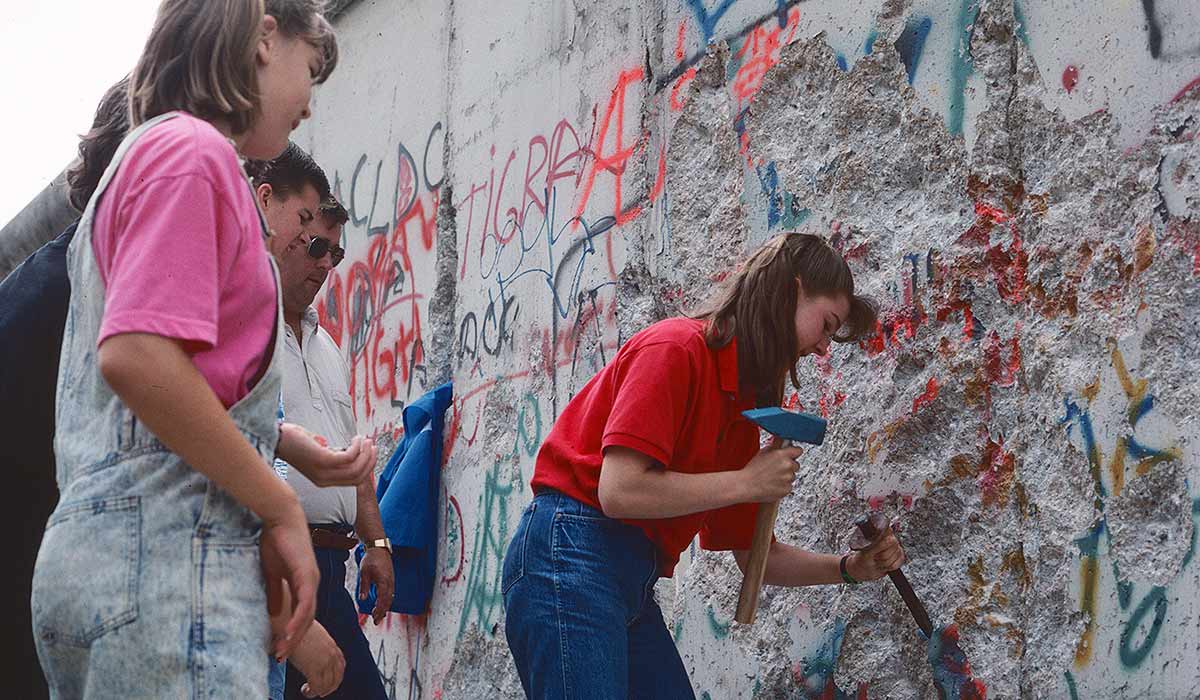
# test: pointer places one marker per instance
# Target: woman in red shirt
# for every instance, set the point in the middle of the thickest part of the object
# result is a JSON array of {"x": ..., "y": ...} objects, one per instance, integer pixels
[{"x": 653, "y": 451}]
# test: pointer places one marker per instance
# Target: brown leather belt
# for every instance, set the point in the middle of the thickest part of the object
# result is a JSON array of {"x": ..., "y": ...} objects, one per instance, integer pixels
[{"x": 328, "y": 539}]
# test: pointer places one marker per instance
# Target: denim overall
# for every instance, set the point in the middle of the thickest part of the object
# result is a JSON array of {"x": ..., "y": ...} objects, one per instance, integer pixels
[{"x": 148, "y": 582}]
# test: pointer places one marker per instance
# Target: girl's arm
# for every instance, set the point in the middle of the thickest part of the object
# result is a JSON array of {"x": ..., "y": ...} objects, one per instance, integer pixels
[
  {"x": 792, "y": 566},
  {"x": 634, "y": 486},
  {"x": 157, "y": 380},
  {"x": 317, "y": 656}
]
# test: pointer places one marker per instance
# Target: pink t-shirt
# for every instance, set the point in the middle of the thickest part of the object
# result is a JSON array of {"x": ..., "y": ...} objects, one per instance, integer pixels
[{"x": 180, "y": 249}]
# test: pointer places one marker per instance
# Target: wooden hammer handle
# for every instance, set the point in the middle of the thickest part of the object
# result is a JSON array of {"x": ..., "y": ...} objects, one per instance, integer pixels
[
  {"x": 756, "y": 568},
  {"x": 900, "y": 581}
]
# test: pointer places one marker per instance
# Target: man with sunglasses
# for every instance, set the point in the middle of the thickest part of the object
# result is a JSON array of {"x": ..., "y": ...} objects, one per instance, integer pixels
[{"x": 306, "y": 230}]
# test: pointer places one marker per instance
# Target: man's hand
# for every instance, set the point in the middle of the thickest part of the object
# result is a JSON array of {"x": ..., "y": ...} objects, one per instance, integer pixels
[
  {"x": 376, "y": 568},
  {"x": 323, "y": 466},
  {"x": 319, "y": 659}
]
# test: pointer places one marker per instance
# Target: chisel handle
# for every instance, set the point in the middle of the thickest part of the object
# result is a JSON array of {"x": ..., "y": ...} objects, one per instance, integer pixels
[{"x": 900, "y": 581}]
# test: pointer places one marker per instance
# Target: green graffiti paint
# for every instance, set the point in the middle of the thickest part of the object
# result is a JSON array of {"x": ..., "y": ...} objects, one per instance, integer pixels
[
  {"x": 719, "y": 629},
  {"x": 962, "y": 67},
  {"x": 1022, "y": 25},
  {"x": 529, "y": 426},
  {"x": 483, "y": 596},
  {"x": 1133, "y": 655},
  {"x": 1071, "y": 688}
]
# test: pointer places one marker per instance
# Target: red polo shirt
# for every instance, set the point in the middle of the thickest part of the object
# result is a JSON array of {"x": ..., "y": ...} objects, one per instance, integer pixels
[{"x": 668, "y": 395}]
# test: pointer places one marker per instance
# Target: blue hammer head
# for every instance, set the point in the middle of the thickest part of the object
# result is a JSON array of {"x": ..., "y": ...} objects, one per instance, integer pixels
[{"x": 797, "y": 427}]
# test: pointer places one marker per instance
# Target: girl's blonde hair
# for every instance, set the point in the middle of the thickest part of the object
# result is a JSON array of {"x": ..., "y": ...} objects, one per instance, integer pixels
[
  {"x": 199, "y": 57},
  {"x": 757, "y": 305}
]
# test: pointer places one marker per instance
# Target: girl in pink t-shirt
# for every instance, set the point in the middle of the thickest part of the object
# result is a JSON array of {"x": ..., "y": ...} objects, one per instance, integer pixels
[{"x": 168, "y": 390}]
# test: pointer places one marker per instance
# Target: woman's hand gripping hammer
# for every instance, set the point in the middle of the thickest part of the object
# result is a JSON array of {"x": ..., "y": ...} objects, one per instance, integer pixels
[{"x": 782, "y": 425}]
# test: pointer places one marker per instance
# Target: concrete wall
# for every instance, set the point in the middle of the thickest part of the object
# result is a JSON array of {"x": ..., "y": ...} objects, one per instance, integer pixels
[
  {"x": 40, "y": 221},
  {"x": 531, "y": 183}
]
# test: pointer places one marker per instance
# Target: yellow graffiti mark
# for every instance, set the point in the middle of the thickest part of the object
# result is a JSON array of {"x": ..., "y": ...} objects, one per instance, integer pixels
[
  {"x": 1168, "y": 455},
  {"x": 981, "y": 596},
  {"x": 876, "y": 440},
  {"x": 1143, "y": 248},
  {"x": 1135, "y": 389},
  {"x": 1089, "y": 392},
  {"x": 1014, "y": 561},
  {"x": 1090, "y": 573},
  {"x": 1116, "y": 468}
]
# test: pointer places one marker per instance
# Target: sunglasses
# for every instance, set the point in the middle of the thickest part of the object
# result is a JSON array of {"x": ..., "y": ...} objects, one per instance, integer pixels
[{"x": 318, "y": 247}]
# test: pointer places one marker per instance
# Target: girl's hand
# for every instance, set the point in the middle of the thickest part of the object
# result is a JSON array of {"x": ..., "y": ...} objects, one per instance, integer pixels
[
  {"x": 323, "y": 466},
  {"x": 768, "y": 476},
  {"x": 322, "y": 663},
  {"x": 288, "y": 561},
  {"x": 884, "y": 554}
]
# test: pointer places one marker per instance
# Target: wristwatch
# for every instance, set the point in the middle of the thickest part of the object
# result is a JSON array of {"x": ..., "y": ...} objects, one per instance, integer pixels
[{"x": 381, "y": 542}]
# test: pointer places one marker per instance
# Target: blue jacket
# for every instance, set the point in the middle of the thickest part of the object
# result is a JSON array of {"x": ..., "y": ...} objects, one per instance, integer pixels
[{"x": 408, "y": 503}]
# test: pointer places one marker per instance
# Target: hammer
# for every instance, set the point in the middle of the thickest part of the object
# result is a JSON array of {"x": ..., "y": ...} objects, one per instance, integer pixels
[{"x": 782, "y": 425}]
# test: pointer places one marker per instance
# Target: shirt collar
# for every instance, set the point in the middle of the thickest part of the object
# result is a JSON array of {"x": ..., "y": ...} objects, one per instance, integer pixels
[{"x": 309, "y": 319}]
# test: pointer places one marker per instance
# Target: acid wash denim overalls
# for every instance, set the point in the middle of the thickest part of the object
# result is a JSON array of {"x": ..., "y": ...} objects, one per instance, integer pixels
[{"x": 148, "y": 582}]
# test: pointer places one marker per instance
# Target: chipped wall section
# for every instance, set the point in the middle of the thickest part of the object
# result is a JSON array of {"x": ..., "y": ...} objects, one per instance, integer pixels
[{"x": 1015, "y": 182}]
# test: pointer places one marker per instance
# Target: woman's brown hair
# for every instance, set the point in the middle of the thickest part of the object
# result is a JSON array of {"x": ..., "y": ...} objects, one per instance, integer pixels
[
  {"x": 97, "y": 146},
  {"x": 199, "y": 57},
  {"x": 757, "y": 305}
]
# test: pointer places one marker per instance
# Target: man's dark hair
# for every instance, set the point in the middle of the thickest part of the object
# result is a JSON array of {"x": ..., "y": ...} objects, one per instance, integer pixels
[
  {"x": 289, "y": 172},
  {"x": 333, "y": 212},
  {"x": 97, "y": 146}
]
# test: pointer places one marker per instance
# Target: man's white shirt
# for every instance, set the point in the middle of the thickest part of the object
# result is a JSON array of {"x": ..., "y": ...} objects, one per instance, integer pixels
[{"x": 316, "y": 396}]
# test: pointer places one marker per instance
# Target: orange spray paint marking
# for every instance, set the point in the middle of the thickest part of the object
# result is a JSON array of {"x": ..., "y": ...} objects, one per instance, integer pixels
[
  {"x": 615, "y": 160},
  {"x": 997, "y": 469},
  {"x": 660, "y": 180}
]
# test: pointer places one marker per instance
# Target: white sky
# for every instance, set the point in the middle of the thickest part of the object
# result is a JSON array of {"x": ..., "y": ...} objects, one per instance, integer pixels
[{"x": 58, "y": 58}]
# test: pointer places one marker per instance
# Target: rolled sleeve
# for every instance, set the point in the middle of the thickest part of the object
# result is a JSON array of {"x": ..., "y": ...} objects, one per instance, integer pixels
[{"x": 651, "y": 401}]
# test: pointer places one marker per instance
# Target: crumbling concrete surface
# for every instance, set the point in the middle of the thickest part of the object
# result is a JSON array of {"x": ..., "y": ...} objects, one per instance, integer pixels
[{"x": 1014, "y": 181}]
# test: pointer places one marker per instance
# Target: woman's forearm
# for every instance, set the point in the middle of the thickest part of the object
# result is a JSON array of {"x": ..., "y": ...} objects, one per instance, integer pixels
[
  {"x": 792, "y": 566},
  {"x": 632, "y": 487},
  {"x": 158, "y": 381}
]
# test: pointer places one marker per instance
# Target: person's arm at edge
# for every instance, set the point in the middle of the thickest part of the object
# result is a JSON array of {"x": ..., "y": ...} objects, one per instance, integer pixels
[
  {"x": 634, "y": 485},
  {"x": 793, "y": 566}
]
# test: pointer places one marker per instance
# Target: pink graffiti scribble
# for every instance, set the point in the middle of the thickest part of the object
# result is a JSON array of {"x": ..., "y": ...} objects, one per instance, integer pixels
[{"x": 1070, "y": 78}]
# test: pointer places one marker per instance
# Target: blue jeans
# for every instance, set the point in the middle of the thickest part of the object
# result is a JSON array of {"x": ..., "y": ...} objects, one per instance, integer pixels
[
  {"x": 276, "y": 677},
  {"x": 336, "y": 611},
  {"x": 581, "y": 619}
]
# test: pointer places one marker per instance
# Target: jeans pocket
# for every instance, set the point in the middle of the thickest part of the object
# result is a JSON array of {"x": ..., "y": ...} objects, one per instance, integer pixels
[
  {"x": 514, "y": 559},
  {"x": 231, "y": 629},
  {"x": 85, "y": 584}
]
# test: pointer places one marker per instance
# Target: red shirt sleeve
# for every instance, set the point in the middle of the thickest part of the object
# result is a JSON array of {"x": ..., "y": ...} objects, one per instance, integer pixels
[
  {"x": 731, "y": 527},
  {"x": 161, "y": 266},
  {"x": 651, "y": 400}
]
